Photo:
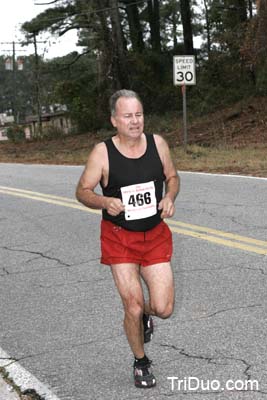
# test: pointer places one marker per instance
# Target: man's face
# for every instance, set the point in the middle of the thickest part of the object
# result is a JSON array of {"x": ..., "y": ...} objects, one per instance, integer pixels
[{"x": 128, "y": 118}]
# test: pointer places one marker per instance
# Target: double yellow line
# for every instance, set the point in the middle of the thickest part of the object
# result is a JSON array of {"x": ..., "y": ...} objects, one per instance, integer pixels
[
  {"x": 195, "y": 231},
  {"x": 46, "y": 198},
  {"x": 219, "y": 237}
]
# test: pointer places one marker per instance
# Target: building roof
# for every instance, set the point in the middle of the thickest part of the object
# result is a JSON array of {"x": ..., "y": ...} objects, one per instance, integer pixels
[{"x": 45, "y": 116}]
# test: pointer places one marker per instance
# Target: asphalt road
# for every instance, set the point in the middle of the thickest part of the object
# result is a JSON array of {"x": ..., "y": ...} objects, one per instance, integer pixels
[{"x": 61, "y": 318}]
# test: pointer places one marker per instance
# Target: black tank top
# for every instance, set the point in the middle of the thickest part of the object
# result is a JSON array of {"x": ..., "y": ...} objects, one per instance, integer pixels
[{"x": 124, "y": 171}]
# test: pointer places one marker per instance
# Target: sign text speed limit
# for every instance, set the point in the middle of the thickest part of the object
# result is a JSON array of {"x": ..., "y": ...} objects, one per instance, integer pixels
[{"x": 184, "y": 70}]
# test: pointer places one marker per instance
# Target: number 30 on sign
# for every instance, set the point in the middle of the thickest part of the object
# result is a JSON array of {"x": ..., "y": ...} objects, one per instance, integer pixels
[{"x": 184, "y": 70}]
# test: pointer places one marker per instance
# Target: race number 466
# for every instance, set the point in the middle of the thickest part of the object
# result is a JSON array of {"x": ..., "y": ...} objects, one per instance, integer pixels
[{"x": 139, "y": 200}]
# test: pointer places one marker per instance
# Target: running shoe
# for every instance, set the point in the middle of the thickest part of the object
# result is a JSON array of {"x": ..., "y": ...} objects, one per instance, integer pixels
[
  {"x": 143, "y": 377},
  {"x": 148, "y": 327}
]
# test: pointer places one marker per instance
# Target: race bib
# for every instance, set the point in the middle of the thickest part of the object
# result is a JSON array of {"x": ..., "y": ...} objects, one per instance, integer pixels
[{"x": 139, "y": 200}]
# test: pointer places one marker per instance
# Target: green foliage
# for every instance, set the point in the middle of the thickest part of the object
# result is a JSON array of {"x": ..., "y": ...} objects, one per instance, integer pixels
[
  {"x": 15, "y": 133},
  {"x": 84, "y": 83},
  {"x": 84, "y": 112},
  {"x": 51, "y": 132},
  {"x": 151, "y": 76},
  {"x": 76, "y": 87},
  {"x": 13, "y": 86},
  {"x": 162, "y": 123},
  {"x": 261, "y": 82},
  {"x": 50, "y": 19},
  {"x": 221, "y": 81}
]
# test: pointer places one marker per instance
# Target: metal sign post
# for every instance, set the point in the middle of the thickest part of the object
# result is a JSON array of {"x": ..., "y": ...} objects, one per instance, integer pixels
[
  {"x": 184, "y": 73},
  {"x": 184, "y": 116}
]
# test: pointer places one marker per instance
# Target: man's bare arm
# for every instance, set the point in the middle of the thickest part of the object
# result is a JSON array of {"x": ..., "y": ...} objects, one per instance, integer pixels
[
  {"x": 172, "y": 183},
  {"x": 91, "y": 176}
]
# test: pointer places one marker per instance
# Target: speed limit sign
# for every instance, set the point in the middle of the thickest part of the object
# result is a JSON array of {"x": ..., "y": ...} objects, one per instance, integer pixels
[{"x": 184, "y": 70}]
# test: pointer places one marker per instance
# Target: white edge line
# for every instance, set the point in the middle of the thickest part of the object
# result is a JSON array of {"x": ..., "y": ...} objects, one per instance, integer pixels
[
  {"x": 45, "y": 165},
  {"x": 180, "y": 172},
  {"x": 23, "y": 378},
  {"x": 224, "y": 175}
]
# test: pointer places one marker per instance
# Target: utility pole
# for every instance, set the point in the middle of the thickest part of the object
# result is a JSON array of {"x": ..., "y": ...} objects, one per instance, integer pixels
[
  {"x": 37, "y": 86},
  {"x": 12, "y": 67},
  {"x": 36, "y": 76},
  {"x": 15, "y": 111}
]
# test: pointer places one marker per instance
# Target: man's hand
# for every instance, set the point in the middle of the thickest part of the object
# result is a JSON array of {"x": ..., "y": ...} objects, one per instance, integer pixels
[
  {"x": 167, "y": 207},
  {"x": 113, "y": 206}
]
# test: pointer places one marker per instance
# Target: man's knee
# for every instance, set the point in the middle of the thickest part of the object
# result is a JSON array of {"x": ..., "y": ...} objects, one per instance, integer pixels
[
  {"x": 163, "y": 310},
  {"x": 134, "y": 308}
]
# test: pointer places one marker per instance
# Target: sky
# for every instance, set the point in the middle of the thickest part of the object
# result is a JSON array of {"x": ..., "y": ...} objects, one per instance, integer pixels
[{"x": 14, "y": 13}]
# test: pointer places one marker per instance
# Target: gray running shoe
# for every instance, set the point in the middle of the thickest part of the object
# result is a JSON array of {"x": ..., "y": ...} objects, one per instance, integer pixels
[{"x": 143, "y": 377}]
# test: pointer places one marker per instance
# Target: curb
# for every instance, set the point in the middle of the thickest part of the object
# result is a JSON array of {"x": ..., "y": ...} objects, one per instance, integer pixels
[{"x": 7, "y": 392}]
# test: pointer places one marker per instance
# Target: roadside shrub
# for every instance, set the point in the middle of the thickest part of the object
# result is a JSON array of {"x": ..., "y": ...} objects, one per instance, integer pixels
[
  {"x": 15, "y": 133},
  {"x": 261, "y": 81},
  {"x": 52, "y": 132}
]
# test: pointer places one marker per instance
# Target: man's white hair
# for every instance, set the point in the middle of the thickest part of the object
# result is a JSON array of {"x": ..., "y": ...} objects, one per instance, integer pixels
[{"x": 122, "y": 93}]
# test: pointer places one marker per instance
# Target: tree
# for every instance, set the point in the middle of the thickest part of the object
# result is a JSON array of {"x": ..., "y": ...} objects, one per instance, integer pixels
[
  {"x": 170, "y": 23},
  {"x": 207, "y": 25},
  {"x": 154, "y": 23},
  {"x": 120, "y": 74},
  {"x": 187, "y": 26},
  {"x": 135, "y": 28},
  {"x": 261, "y": 33},
  {"x": 254, "y": 47},
  {"x": 128, "y": 43}
]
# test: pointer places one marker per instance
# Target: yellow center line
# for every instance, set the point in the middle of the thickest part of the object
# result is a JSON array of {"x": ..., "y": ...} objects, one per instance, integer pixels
[
  {"x": 216, "y": 232},
  {"x": 195, "y": 231},
  {"x": 220, "y": 241},
  {"x": 50, "y": 196},
  {"x": 51, "y": 201}
]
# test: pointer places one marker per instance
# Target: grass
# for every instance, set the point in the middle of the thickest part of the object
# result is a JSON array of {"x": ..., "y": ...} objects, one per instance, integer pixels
[
  {"x": 73, "y": 150},
  {"x": 231, "y": 140},
  {"x": 250, "y": 160}
]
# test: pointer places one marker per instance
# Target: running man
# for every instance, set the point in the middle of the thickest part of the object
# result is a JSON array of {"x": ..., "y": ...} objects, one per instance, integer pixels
[{"x": 139, "y": 184}]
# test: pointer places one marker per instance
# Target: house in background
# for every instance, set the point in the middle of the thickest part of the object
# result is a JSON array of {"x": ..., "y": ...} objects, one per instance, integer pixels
[
  {"x": 54, "y": 120},
  {"x": 58, "y": 120},
  {"x": 3, "y": 133},
  {"x": 5, "y": 122}
]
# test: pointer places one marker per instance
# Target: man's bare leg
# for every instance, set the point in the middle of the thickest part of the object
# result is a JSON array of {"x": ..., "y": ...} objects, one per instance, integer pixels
[
  {"x": 160, "y": 283},
  {"x": 128, "y": 282},
  {"x": 159, "y": 280}
]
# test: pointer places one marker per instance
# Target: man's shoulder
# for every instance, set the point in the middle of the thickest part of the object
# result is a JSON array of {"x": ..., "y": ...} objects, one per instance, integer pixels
[
  {"x": 100, "y": 148},
  {"x": 98, "y": 153},
  {"x": 159, "y": 140},
  {"x": 100, "y": 145}
]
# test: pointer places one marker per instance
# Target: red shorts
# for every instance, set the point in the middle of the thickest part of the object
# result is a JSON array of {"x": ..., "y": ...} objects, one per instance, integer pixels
[{"x": 119, "y": 246}]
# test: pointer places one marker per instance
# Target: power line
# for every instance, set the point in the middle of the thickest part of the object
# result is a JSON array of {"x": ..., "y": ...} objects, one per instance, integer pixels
[
  {"x": 10, "y": 50},
  {"x": 46, "y": 4},
  {"x": 21, "y": 44}
]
